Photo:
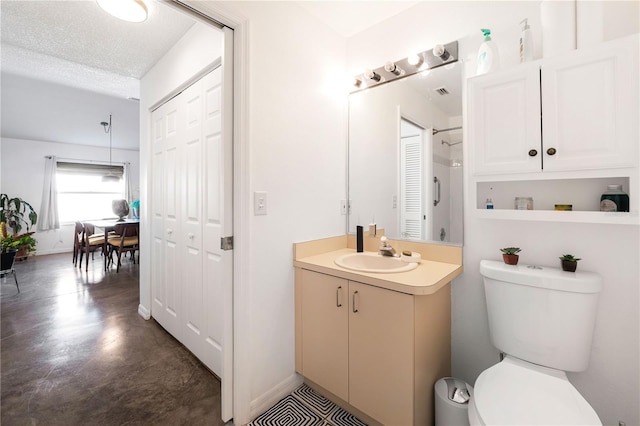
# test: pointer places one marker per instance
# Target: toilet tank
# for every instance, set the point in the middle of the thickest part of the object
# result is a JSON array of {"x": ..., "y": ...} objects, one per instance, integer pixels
[{"x": 542, "y": 315}]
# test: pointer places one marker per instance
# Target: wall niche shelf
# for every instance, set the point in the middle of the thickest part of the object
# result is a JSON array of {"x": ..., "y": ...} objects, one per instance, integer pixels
[
  {"x": 583, "y": 194},
  {"x": 561, "y": 216}
]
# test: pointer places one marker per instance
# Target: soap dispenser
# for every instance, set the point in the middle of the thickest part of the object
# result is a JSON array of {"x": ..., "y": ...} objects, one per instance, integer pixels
[{"x": 488, "y": 59}]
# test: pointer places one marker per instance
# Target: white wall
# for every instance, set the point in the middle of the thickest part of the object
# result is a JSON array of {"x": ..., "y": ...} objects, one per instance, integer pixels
[
  {"x": 22, "y": 170},
  {"x": 611, "y": 384},
  {"x": 297, "y": 149}
]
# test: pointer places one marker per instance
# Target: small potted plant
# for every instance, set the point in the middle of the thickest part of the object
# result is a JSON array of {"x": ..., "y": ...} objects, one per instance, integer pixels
[
  {"x": 569, "y": 262},
  {"x": 9, "y": 251},
  {"x": 510, "y": 255}
]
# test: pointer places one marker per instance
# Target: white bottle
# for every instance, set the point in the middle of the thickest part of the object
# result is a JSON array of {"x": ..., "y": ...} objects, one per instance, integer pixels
[
  {"x": 488, "y": 59},
  {"x": 526, "y": 42}
]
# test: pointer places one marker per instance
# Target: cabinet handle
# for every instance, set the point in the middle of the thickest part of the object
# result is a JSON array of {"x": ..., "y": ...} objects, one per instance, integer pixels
[
  {"x": 169, "y": 231},
  {"x": 551, "y": 151},
  {"x": 339, "y": 297},
  {"x": 190, "y": 235},
  {"x": 355, "y": 307},
  {"x": 533, "y": 153},
  {"x": 437, "y": 190}
]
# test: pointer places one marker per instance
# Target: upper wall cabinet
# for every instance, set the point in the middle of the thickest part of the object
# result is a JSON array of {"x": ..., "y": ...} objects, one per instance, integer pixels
[{"x": 571, "y": 113}]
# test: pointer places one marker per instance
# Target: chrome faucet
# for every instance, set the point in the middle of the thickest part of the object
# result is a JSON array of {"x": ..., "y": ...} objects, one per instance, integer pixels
[{"x": 386, "y": 249}]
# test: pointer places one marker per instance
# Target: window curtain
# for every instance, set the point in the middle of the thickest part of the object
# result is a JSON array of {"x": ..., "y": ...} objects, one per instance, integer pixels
[
  {"x": 128, "y": 193},
  {"x": 48, "y": 218}
]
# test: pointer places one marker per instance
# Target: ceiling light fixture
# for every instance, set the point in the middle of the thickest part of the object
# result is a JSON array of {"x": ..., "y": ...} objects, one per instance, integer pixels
[
  {"x": 109, "y": 177},
  {"x": 127, "y": 10}
]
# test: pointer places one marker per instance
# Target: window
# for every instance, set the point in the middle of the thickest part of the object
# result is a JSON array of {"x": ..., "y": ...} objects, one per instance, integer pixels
[{"x": 82, "y": 195}]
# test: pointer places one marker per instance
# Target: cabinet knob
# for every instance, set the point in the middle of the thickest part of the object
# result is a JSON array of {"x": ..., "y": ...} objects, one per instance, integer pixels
[
  {"x": 190, "y": 235},
  {"x": 551, "y": 151},
  {"x": 533, "y": 153},
  {"x": 169, "y": 231}
]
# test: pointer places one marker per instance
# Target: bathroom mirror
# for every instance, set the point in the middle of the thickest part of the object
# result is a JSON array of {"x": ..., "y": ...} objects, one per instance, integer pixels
[{"x": 405, "y": 157}]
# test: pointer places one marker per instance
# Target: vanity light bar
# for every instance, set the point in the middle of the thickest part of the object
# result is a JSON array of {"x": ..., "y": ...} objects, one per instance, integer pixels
[{"x": 433, "y": 58}]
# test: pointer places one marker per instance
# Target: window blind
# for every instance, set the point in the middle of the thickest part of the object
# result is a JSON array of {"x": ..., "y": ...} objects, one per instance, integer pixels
[{"x": 89, "y": 169}]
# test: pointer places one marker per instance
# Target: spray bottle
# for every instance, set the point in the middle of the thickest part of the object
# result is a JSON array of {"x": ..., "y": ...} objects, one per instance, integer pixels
[
  {"x": 488, "y": 59},
  {"x": 526, "y": 42}
]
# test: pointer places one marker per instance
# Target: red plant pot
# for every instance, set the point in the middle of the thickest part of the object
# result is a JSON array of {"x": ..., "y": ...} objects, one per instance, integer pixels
[{"x": 510, "y": 259}]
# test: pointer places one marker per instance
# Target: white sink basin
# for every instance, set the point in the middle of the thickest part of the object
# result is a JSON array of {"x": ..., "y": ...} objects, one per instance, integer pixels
[{"x": 373, "y": 262}]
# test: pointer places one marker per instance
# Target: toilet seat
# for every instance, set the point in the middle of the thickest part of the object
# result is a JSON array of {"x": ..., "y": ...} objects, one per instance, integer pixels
[{"x": 515, "y": 392}]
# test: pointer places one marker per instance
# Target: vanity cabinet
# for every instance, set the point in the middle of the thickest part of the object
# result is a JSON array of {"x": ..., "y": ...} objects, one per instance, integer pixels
[
  {"x": 571, "y": 113},
  {"x": 381, "y": 351}
]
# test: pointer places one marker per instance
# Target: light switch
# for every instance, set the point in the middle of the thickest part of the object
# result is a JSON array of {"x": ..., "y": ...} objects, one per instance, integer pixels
[{"x": 260, "y": 203}]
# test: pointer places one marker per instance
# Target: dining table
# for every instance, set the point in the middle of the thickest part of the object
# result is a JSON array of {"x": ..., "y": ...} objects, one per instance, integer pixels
[{"x": 109, "y": 225}]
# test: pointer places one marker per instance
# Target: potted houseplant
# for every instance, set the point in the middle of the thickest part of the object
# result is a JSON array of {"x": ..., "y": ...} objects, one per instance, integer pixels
[
  {"x": 9, "y": 251},
  {"x": 569, "y": 262},
  {"x": 16, "y": 214},
  {"x": 510, "y": 255}
]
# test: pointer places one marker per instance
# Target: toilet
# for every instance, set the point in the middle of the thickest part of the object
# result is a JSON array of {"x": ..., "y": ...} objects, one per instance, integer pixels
[{"x": 542, "y": 319}]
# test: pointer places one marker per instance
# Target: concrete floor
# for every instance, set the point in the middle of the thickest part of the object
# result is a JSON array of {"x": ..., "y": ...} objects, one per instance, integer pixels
[{"x": 74, "y": 351}]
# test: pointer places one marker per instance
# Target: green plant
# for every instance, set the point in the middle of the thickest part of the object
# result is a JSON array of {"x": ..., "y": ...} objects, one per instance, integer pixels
[
  {"x": 27, "y": 242},
  {"x": 16, "y": 212},
  {"x": 510, "y": 250},
  {"x": 8, "y": 244},
  {"x": 569, "y": 258}
]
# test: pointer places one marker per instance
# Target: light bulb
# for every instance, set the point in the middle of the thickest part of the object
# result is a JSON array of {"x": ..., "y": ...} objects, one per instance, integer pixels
[
  {"x": 415, "y": 60},
  {"x": 127, "y": 10},
  {"x": 372, "y": 75}
]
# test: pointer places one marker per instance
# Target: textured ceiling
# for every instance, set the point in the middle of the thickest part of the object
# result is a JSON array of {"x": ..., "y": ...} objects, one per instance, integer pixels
[{"x": 79, "y": 42}]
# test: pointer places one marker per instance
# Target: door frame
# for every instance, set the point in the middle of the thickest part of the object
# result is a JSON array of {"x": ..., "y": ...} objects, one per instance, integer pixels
[{"x": 240, "y": 403}]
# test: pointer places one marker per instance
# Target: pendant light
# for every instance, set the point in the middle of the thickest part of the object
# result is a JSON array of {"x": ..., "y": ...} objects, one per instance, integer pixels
[
  {"x": 127, "y": 10},
  {"x": 109, "y": 177}
]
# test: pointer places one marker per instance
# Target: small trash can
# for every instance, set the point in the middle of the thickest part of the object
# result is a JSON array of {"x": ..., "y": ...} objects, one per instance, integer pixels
[{"x": 452, "y": 402}]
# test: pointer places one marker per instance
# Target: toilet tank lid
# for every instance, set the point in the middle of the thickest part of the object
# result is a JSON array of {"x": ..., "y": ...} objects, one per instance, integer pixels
[{"x": 542, "y": 277}]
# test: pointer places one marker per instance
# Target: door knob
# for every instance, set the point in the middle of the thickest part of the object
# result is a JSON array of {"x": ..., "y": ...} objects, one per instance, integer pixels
[
  {"x": 533, "y": 153},
  {"x": 551, "y": 151}
]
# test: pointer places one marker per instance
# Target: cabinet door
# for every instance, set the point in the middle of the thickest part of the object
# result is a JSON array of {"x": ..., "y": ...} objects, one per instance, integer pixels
[
  {"x": 381, "y": 353},
  {"x": 504, "y": 115},
  {"x": 325, "y": 338},
  {"x": 590, "y": 108}
]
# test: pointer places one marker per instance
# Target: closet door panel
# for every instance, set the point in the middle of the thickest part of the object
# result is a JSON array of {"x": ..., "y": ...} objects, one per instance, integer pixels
[{"x": 215, "y": 258}]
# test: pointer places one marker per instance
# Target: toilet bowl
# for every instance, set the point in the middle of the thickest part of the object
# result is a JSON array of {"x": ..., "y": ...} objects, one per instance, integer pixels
[
  {"x": 542, "y": 319},
  {"x": 515, "y": 392}
]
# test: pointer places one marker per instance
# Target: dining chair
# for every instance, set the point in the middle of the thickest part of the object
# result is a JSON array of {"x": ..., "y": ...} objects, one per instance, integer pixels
[
  {"x": 125, "y": 240},
  {"x": 77, "y": 243},
  {"x": 91, "y": 242}
]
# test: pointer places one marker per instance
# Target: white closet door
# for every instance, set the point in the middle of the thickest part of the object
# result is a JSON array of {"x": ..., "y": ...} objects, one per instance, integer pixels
[
  {"x": 217, "y": 262},
  {"x": 167, "y": 132},
  {"x": 193, "y": 302}
]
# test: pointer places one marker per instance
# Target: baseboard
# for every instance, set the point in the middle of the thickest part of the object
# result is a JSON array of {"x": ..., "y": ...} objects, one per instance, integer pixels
[
  {"x": 53, "y": 251},
  {"x": 144, "y": 312},
  {"x": 273, "y": 395}
]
